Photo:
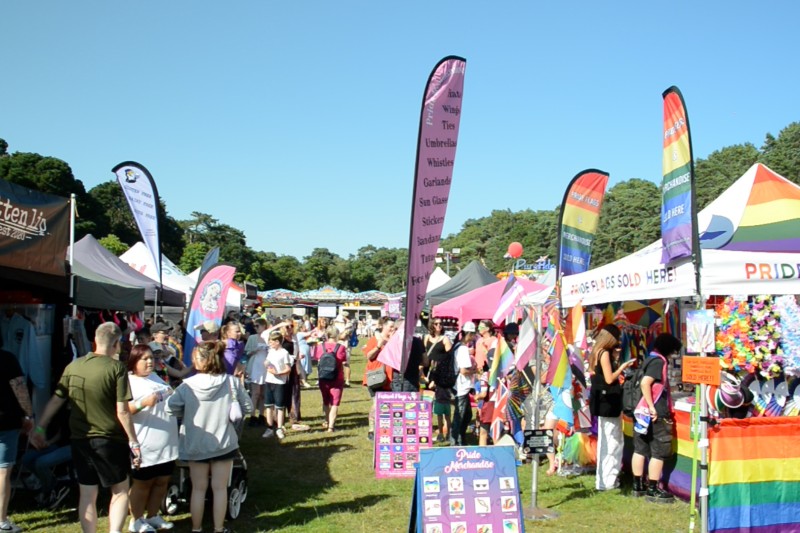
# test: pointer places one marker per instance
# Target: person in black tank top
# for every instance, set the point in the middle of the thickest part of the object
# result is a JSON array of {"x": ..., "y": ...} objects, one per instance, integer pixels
[{"x": 437, "y": 347}]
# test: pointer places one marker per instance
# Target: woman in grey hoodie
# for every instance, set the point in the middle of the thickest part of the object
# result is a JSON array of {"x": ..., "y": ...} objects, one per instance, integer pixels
[{"x": 208, "y": 440}]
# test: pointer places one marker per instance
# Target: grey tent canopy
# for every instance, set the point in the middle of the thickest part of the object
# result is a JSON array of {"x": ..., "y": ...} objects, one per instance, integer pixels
[
  {"x": 99, "y": 292},
  {"x": 473, "y": 276},
  {"x": 92, "y": 255}
]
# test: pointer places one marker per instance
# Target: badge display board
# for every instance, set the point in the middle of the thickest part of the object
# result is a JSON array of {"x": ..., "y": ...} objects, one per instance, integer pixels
[
  {"x": 402, "y": 429},
  {"x": 470, "y": 489}
]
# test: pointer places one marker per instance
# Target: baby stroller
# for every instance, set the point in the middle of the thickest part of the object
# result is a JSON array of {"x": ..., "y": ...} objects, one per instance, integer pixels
[{"x": 180, "y": 488}]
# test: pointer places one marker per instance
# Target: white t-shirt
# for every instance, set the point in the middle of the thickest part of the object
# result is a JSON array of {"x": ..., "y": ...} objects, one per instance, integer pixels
[
  {"x": 279, "y": 359},
  {"x": 463, "y": 360},
  {"x": 156, "y": 431}
]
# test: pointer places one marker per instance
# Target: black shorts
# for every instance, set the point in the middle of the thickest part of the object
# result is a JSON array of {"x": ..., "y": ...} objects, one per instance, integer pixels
[
  {"x": 275, "y": 395},
  {"x": 151, "y": 472},
  {"x": 230, "y": 456},
  {"x": 101, "y": 461},
  {"x": 657, "y": 442}
]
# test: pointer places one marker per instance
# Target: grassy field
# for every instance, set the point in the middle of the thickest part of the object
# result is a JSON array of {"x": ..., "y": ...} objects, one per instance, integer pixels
[{"x": 316, "y": 481}]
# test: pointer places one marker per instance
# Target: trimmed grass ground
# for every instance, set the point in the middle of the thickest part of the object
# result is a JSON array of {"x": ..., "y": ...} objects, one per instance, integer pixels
[{"x": 316, "y": 481}]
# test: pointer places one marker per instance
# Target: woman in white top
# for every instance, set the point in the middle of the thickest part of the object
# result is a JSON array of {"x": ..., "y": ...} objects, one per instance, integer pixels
[
  {"x": 157, "y": 433},
  {"x": 256, "y": 351}
]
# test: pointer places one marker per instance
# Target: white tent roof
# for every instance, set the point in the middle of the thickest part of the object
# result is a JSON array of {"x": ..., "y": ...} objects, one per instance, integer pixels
[
  {"x": 749, "y": 245},
  {"x": 437, "y": 279}
]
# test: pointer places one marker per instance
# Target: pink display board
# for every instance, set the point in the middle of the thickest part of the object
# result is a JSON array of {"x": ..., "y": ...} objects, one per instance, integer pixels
[{"x": 402, "y": 429}]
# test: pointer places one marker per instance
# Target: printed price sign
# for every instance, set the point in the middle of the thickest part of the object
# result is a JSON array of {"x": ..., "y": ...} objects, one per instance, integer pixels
[
  {"x": 538, "y": 441},
  {"x": 700, "y": 370}
]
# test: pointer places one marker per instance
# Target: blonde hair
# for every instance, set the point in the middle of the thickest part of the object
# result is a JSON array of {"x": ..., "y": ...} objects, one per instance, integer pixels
[
  {"x": 604, "y": 342},
  {"x": 107, "y": 334}
]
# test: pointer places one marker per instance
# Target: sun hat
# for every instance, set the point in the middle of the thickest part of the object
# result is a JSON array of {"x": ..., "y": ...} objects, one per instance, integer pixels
[{"x": 209, "y": 325}]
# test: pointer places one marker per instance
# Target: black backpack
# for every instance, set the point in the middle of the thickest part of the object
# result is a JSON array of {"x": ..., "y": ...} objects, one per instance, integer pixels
[
  {"x": 327, "y": 367},
  {"x": 632, "y": 389},
  {"x": 444, "y": 373}
]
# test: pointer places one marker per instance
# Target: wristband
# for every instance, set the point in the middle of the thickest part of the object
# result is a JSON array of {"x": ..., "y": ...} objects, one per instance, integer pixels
[
  {"x": 138, "y": 405},
  {"x": 134, "y": 445},
  {"x": 40, "y": 430}
]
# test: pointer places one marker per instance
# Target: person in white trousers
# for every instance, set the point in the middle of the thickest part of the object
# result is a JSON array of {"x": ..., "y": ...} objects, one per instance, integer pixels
[{"x": 605, "y": 402}]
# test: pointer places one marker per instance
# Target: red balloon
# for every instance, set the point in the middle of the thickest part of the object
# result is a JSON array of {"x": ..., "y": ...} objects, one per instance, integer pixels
[{"x": 515, "y": 250}]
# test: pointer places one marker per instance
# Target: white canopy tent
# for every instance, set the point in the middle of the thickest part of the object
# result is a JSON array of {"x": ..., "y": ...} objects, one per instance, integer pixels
[
  {"x": 750, "y": 244},
  {"x": 437, "y": 279}
]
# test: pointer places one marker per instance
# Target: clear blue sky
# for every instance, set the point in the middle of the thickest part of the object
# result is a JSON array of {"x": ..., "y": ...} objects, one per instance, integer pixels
[{"x": 297, "y": 122}]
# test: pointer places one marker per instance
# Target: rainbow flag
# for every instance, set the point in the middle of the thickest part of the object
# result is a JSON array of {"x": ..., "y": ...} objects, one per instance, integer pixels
[
  {"x": 678, "y": 219},
  {"x": 576, "y": 329},
  {"x": 754, "y": 475},
  {"x": 580, "y": 213},
  {"x": 559, "y": 369},
  {"x": 502, "y": 361}
]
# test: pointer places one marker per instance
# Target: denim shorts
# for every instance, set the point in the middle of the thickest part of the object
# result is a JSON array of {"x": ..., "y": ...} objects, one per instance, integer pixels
[{"x": 8, "y": 447}]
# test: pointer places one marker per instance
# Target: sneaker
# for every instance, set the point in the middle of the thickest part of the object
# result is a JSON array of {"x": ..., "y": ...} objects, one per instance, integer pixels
[
  {"x": 371, "y": 435},
  {"x": 656, "y": 495},
  {"x": 268, "y": 433},
  {"x": 280, "y": 433},
  {"x": 9, "y": 526},
  {"x": 140, "y": 525},
  {"x": 159, "y": 523},
  {"x": 57, "y": 496}
]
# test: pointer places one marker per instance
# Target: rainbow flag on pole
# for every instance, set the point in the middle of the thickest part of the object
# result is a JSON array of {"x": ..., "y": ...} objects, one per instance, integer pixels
[{"x": 502, "y": 362}]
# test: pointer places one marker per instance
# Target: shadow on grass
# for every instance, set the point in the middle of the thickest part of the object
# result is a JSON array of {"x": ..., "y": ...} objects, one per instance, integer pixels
[
  {"x": 302, "y": 514},
  {"x": 575, "y": 494}
]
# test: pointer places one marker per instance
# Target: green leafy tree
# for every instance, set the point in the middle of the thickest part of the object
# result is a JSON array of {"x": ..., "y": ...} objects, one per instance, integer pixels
[
  {"x": 114, "y": 245},
  {"x": 782, "y": 154},
  {"x": 193, "y": 255}
]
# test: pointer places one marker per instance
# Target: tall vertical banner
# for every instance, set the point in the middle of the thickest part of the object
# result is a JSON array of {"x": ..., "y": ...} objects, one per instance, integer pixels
[
  {"x": 208, "y": 303},
  {"x": 436, "y": 153},
  {"x": 142, "y": 196},
  {"x": 211, "y": 259},
  {"x": 677, "y": 188},
  {"x": 580, "y": 214}
]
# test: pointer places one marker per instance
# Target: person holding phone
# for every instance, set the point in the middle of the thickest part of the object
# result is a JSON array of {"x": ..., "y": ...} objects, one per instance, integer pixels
[{"x": 605, "y": 402}]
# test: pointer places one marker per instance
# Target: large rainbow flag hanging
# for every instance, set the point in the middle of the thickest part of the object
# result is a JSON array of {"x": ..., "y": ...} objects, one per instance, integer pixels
[
  {"x": 754, "y": 475},
  {"x": 580, "y": 213}
]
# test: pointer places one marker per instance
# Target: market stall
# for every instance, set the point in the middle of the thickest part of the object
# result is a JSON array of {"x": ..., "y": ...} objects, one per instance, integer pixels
[{"x": 749, "y": 246}]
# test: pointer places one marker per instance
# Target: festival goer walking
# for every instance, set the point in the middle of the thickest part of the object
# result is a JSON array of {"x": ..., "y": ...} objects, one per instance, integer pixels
[
  {"x": 605, "y": 402},
  {"x": 208, "y": 439},
  {"x": 278, "y": 367},
  {"x": 302, "y": 332},
  {"x": 465, "y": 383},
  {"x": 16, "y": 415},
  {"x": 103, "y": 436},
  {"x": 293, "y": 382},
  {"x": 332, "y": 389},
  {"x": 157, "y": 433}
]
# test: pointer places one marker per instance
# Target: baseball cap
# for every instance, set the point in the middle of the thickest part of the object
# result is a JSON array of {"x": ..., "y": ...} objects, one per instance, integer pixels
[
  {"x": 469, "y": 327},
  {"x": 209, "y": 325},
  {"x": 160, "y": 327}
]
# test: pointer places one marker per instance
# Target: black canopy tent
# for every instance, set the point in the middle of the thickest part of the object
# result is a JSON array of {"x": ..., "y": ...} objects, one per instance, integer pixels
[
  {"x": 95, "y": 291},
  {"x": 96, "y": 258},
  {"x": 473, "y": 276}
]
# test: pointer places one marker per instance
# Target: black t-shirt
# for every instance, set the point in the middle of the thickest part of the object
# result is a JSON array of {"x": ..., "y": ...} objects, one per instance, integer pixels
[
  {"x": 10, "y": 412},
  {"x": 654, "y": 368},
  {"x": 605, "y": 399},
  {"x": 414, "y": 361}
]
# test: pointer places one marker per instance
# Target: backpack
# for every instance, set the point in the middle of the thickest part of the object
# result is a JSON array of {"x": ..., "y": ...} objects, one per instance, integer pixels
[
  {"x": 444, "y": 373},
  {"x": 354, "y": 337},
  {"x": 327, "y": 365},
  {"x": 632, "y": 388}
]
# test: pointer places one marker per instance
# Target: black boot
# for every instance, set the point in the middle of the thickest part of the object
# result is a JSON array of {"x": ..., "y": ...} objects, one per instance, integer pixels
[
  {"x": 656, "y": 495},
  {"x": 638, "y": 487}
]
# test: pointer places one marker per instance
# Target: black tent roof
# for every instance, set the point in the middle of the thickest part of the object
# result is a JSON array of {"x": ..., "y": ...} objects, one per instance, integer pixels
[
  {"x": 99, "y": 292},
  {"x": 473, "y": 276}
]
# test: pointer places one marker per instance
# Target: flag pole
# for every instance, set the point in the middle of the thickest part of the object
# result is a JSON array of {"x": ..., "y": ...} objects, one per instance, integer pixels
[
  {"x": 72, "y": 209},
  {"x": 534, "y": 512}
]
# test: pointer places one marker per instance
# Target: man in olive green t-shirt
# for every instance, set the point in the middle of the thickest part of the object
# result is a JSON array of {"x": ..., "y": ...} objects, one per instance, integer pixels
[{"x": 97, "y": 387}]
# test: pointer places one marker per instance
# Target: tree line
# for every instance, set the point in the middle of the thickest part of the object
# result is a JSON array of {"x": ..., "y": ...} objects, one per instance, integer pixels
[{"x": 629, "y": 220}]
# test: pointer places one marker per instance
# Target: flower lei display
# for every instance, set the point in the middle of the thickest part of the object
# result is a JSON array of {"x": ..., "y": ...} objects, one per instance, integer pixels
[
  {"x": 789, "y": 312},
  {"x": 766, "y": 333},
  {"x": 734, "y": 346}
]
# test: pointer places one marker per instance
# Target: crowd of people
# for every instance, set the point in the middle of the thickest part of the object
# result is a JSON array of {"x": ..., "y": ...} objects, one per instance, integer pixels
[{"x": 125, "y": 414}]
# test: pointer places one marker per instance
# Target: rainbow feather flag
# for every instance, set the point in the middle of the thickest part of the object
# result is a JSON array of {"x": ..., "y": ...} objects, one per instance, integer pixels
[{"x": 502, "y": 362}]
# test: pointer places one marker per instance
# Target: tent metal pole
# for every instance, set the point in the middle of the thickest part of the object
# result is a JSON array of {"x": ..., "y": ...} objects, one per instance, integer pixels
[{"x": 72, "y": 255}]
